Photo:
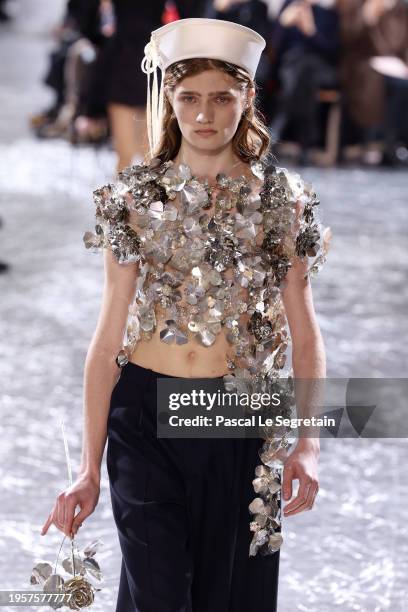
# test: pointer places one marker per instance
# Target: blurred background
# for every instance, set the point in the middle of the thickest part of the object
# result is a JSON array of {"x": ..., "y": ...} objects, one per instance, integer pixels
[{"x": 333, "y": 88}]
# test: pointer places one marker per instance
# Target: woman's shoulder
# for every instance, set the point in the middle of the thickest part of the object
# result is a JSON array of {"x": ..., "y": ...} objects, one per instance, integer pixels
[
  {"x": 284, "y": 187},
  {"x": 292, "y": 206},
  {"x": 115, "y": 198},
  {"x": 146, "y": 171},
  {"x": 141, "y": 173},
  {"x": 112, "y": 210},
  {"x": 270, "y": 170}
]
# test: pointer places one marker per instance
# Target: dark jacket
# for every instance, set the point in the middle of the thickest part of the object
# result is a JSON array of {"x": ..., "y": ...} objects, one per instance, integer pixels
[{"x": 325, "y": 42}]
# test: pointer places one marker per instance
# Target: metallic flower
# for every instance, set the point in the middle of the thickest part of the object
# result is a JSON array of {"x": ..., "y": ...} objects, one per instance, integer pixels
[
  {"x": 110, "y": 205},
  {"x": 261, "y": 327},
  {"x": 279, "y": 265},
  {"x": 266, "y": 525},
  {"x": 273, "y": 243},
  {"x": 222, "y": 251},
  {"x": 172, "y": 334},
  {"x": 147, "y": 193},
  {"x": 81, "y": 592},
  {"x": 309, "y": 209},
  {"x": 78, "y": 587},
  {"x": 307, "y": 241},
  {"x": 125, "y": 243}
]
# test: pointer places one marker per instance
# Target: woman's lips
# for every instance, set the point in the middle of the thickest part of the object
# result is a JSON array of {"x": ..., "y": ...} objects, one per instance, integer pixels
[{"x": 205, "y": 132}]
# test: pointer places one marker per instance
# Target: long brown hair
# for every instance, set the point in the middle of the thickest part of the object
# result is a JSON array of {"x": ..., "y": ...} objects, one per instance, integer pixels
[{"x": 251, "y": 139}]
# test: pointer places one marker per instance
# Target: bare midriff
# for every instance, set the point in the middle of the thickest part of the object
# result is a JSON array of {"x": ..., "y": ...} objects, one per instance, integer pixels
[{"x": 189, "y": 360}]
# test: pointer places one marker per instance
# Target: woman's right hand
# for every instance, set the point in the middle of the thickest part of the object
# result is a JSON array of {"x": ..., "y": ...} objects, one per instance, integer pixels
[{"x": 84, "y": 492}]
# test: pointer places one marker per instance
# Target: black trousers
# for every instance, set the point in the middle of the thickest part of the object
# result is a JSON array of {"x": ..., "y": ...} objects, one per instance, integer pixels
[{"x": 181, "y": 509}]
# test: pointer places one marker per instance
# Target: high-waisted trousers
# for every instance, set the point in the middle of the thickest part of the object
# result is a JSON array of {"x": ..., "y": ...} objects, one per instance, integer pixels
[{"x": 181, "y": 510}]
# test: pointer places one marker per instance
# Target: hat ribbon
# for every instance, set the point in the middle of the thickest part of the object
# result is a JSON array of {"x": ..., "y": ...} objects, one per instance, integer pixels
[{"x": 154, "y": 104}]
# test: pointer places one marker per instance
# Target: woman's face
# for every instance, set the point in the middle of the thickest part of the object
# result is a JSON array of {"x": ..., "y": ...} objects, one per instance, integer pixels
[{"x": 208, "y": 108}]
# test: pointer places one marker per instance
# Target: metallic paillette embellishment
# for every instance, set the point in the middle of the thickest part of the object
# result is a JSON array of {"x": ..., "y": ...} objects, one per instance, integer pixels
[{"x": 214, "y": 259}]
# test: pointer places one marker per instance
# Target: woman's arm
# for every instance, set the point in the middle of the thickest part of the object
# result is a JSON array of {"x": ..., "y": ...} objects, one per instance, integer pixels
[
  {"x": 308, "y": 354},
  {"x": 309, "y": 363},
  {"x": 101, "y": 371},
  {"x": 100, "y": 376}
]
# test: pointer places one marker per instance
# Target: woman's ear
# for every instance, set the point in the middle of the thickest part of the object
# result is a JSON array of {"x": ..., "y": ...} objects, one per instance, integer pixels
[{"x": 250, "y": 95}]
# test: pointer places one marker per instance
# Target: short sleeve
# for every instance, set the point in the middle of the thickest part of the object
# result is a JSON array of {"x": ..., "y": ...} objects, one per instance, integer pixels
[
  {"x": 112, "y": 228},
  {"x": 309, "y": 238}
]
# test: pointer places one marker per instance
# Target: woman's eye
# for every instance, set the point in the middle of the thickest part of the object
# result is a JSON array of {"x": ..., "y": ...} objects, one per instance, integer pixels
[
  {"x": 223, "y": 99},
  {"x": 188, "y": 99}
]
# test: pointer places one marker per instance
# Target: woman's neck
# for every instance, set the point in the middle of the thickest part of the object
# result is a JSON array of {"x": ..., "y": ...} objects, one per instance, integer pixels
[{"x": 207, "y": 164}]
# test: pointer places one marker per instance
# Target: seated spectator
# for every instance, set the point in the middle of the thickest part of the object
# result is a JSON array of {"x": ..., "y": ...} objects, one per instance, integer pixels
[
  {"x": 305, "y": 39},
  {"x": 372, "y": 28}
]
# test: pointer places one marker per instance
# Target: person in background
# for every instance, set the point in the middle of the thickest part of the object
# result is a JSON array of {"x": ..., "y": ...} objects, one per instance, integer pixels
[
  {"x": 372, "y": 28},
  {"x": 81, "y": 37},
  {"x": 396, "y": 119},
  {"x": 248, "y": 13},
  {"x": 305, "y": 39},
  {"x": 91, "y": 123},
  {"x": 125, "y": 82}
]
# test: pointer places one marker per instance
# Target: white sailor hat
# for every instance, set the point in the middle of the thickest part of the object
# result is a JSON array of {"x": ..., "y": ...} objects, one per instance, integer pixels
[{"x": 194, "y": 38}]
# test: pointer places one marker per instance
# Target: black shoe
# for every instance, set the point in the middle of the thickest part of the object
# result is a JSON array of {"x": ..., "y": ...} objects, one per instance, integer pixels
[
  {"x": 388, "y": 160},
  {"x": 395, "y": 157}
]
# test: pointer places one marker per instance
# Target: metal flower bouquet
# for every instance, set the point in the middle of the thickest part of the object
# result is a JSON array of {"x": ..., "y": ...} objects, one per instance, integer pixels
[{"x": 71, "y": 583}]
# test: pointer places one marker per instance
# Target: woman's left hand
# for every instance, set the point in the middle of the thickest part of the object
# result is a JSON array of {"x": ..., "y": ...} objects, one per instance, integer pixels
[{"x": 302, "y": 465}]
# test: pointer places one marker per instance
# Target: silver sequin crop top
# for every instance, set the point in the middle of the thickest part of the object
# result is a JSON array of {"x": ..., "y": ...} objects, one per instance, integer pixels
[{"x": 213, "y": 259}]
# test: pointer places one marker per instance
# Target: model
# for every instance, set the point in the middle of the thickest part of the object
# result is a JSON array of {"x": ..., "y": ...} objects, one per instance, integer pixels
[{"x": 206, "y": 250}]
